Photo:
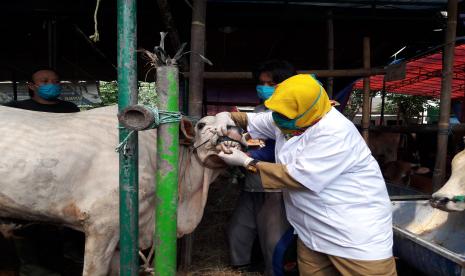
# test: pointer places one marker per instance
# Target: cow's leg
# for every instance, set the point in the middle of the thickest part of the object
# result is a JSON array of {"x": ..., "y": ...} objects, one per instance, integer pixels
[
  {"x": 100, "y": 247},
  {"x": 114, "y": 264}
]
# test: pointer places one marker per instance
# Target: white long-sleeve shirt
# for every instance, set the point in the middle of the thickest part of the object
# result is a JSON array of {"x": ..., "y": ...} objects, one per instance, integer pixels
[{"x": 346, "y": 210}]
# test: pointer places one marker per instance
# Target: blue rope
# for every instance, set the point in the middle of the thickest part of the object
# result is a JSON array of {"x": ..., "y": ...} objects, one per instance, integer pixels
[
  {"x": 163, "y": 117},
  {"x": 122, "y": 146}
]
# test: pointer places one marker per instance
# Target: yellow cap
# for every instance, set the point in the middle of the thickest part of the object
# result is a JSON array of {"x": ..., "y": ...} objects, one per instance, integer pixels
[{"x": 300, "y": 95}]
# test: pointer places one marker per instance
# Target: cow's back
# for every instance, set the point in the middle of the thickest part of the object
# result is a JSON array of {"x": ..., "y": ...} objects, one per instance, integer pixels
[{"x": 58, "y": 167}]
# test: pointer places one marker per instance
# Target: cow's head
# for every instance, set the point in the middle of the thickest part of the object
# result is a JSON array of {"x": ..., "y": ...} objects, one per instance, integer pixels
[
  {"x": 448, "y": 198},
  {"x": 199, "y": 167}
]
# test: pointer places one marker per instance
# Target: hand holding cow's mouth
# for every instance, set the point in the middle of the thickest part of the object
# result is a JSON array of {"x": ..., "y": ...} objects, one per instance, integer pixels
[
  {"x": 227, "y": 146},
  {"x": 234, "y": 138}
]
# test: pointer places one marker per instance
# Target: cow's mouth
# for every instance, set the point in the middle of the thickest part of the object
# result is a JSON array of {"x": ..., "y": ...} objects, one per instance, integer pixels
[
  {"x": 448, "y": 204},
  {"x": 210, "y": 159},
  {"x": 439, "y": 202}
]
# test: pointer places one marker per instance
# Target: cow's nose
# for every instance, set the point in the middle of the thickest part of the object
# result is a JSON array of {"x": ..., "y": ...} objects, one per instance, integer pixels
[{"x": 438, "y": 202}]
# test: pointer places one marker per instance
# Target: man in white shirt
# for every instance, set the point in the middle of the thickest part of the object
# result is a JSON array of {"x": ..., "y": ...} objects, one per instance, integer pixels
[{"x": 334, "y": 192}]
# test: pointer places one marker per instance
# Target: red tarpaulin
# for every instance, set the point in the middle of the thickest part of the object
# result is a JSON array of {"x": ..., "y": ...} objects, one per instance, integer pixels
[{"x": 423, "y": 77}]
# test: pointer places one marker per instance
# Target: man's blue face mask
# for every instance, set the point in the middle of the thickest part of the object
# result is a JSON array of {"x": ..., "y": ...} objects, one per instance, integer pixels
[
  {"x": 264, "y": 92},
  {"x": 49, "y": 91}
]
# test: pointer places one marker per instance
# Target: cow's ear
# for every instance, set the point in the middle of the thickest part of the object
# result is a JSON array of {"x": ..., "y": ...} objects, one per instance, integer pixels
[{"x": 186, "y": 133}]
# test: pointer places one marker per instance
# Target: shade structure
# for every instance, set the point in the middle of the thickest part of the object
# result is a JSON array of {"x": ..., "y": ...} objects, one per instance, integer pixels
[{"x": 423, "y": 76}]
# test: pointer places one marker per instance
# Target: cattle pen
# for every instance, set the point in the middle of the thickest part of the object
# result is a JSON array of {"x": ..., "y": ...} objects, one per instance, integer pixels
[{"x": 169, "y": 64}]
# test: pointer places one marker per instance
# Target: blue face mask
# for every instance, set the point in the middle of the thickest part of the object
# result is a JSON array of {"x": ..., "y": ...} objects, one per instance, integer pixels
[
  {"x": 264, "y": 92},
  {"x": 49, "y": 91}
]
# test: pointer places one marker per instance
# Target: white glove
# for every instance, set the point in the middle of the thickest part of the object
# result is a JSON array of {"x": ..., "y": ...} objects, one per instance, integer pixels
[
  {"x": 235, "y": 158},
  {"x": 223, "y": 120},
  {"x": 226, "y": 146}
]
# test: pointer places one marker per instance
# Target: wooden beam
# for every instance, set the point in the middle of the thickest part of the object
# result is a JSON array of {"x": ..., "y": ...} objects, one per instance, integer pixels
[
  {"x": 458, "y": 128},
  {"x": 218, "y": 103},
  {"x": 361, "y": 72}
]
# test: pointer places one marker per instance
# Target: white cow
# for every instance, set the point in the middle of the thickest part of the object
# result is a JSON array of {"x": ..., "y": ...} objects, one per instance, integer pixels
[
  {"x": 63, "y": 169},
  {"x": 455, "y": 186}
]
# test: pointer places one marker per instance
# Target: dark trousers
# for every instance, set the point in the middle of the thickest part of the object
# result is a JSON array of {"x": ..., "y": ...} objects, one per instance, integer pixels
[{"x": 257, "y": 213}]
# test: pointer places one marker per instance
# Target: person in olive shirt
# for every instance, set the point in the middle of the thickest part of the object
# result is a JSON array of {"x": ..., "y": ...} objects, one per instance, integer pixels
[{"x": 44, "y": 89}]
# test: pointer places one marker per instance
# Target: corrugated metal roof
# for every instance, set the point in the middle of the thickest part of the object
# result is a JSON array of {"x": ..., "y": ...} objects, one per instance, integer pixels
[{"x": 423, "y": 76}]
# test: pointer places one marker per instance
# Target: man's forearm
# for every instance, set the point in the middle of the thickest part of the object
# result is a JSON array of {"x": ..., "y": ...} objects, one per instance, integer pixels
[
  {"x": 276, "y": 176},
  {"x": 240, "y": 118}
]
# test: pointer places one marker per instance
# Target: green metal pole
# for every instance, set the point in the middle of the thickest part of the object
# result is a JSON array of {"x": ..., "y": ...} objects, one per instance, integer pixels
[
  {"x": 167, "y": 175},
  {"x": 128, "y": 158}
]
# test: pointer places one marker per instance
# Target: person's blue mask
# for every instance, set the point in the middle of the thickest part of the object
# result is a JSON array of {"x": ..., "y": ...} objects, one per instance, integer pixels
[
  {"x": 264, "y": 92},
  {"x": 49, "y": 91}
]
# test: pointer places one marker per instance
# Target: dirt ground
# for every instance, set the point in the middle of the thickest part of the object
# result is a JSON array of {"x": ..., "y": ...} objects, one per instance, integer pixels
[{"x": 210, "y": 254}]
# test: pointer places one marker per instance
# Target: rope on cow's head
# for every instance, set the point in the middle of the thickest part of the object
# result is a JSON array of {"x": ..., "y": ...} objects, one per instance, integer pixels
[{"x": 159, "y": 117}]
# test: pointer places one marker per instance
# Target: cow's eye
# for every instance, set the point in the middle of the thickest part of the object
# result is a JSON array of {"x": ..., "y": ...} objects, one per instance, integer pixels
[{"x": 200, "y": 126}]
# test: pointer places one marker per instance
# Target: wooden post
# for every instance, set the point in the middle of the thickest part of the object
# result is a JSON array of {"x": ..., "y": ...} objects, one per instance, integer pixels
[
  {"x": 366, "y": 108},
  {"x": 199, "y": 10},
  {"x": 195, "y": 104},
  {"x": 15, "y": 86},
  {"x": 330, "y": 26},
  {"x": 383, "y": 103},
  {"x": 446, "y": 87},
  {"x": 52, "y": 43}
]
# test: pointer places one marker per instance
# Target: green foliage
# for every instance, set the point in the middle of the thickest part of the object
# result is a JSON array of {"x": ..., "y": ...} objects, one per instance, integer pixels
[
  {"x": 147, "y": 93},
  {"x": 109, "y": 93},
  {"x": 354, "y": 104},
  {"x": 407, "y": 106}
]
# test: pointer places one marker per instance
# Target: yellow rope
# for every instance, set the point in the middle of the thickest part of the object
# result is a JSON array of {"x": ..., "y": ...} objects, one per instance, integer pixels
[{"x": 96, "y": 36}]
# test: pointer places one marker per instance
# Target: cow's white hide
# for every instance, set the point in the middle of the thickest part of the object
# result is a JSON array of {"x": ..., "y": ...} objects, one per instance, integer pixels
[
  {"x": 455, "y": 186},
  {"x": 63, "y": 169}
]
